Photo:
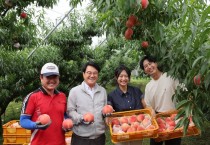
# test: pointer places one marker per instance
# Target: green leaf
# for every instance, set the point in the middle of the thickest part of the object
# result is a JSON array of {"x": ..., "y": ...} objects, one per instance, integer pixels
[
  {"x": 205, "y": 14},
  {"x": 182, "y": 103},
  {"x": 196, "y": 61}
]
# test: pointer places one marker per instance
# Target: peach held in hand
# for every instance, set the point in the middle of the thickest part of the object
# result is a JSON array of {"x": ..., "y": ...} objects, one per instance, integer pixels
[
  {"x": 44, "y": 119},
  {"x": 107, "y": 109},
  {"x": 88, "y": 117},
  {"x": 67, "y": 124}
]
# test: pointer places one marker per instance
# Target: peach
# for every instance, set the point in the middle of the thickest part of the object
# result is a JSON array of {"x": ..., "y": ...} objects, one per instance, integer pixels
[
  {"x": 132, "y": 119},
  {"x": 144, "y": 4},
  {"x": 67, "y": 123},
  {"x": 140, "y": 128},
  {"x": 160, "y": 120},
  {"x": 171, "y": 123},
  {"x": 107, "y": 109},
  {"x": 88, "y": 117},
  {"x": 123, "y": 120},
  {"x": 162, "y": 125},
  {"x": 197, "y": 79},
  {"x": 173, "y": 116},
  {"x": 116, "y": 128},
  {"x": 125, "y": 127},
  {"x": 135, "y": 124},
  {"x": 146, "y": 122},
  {"x": 44, "y": 119},
  {"x": 140, "y": 117},
  {"x": 168, "y": 119},
  {"x": 115, "y": 121},
  {"x": 131, "y": 129}
]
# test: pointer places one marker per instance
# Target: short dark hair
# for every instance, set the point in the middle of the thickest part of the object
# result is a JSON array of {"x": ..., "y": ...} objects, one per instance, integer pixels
[
  {"x": 90, "y": 63},
  {"x": 149, "y": 58},
  {"x": 119, "y": 69}
]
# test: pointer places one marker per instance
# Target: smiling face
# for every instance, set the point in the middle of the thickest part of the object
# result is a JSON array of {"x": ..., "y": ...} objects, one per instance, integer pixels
[
  {"x": 49, "y": 82},
  {"x": 150, "y": 68},
  {"x": 90, "y": 76},
  {"x": 123, "y": 79}
]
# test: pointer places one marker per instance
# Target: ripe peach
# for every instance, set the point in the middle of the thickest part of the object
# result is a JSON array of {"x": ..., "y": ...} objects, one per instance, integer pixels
[
  {"x": 135, "y": 124},
  {"x": 131, "y": 129},
  {"x": 167, "y": 119},
  {"x": 23, "y": 15},
  {"x": 129, "y": 24},
  {"x": 133, "y": 19},
  {"x": 88, "y": 117},
  {"x": 44, "y": 119},
  {"x": 160, "y": 120},
  {"x": 140, "y": 128},
  {"x": 123, "y": 120},
  {"x": 115, "y": 121},
  {"x": 144, "y": 4},
  {"x": 146, "y": 122},
  {"x": 144, "y": 44},
  {"x": 107, "y": 109},
  {"x": 67, "y": 123},
  {"x": 173, "y": 116},
  {"x": 140, "y": 117},
  {"x": 116, "y": 128},
  {"x": 197, "y": 80},
  {"x": 171, "y": 123},
  {"x": 132, "y": 119},
  {"x": 162, "y": 125},
  {"x": 125, "y": 127},
  {"x": 128, "y": 33}
]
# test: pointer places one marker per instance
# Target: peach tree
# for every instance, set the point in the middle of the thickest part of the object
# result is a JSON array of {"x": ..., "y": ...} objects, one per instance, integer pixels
[{"x": 176, "y": 32}]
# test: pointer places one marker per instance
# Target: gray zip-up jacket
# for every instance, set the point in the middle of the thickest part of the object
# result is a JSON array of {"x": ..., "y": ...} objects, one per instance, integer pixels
[{"x": 79, "y": 103}]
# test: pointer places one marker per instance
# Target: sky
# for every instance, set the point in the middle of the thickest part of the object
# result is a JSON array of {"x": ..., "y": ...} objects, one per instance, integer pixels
[{"x": 58, "y": 12}]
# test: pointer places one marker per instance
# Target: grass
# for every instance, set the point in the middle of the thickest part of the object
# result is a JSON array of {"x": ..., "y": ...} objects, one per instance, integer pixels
[{"x": 14, "y": 108}]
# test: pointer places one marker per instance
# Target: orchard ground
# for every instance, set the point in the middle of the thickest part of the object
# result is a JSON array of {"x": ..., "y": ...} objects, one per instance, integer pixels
[{"x": 13, "y": 113}]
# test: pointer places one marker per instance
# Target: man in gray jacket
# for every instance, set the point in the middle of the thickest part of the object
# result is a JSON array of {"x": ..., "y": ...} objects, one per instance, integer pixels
[{"x": 88, "y": 97}]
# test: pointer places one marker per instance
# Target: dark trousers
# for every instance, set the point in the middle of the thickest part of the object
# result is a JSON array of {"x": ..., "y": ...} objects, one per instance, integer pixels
[
  {"x": 78, "y": 140},
  {"x": 176, "y": 141}
]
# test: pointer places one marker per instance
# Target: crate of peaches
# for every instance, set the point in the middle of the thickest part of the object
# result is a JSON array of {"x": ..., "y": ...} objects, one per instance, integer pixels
[
  {"x": 167, "y": 126},
  {"x": 132, "y": 125}
]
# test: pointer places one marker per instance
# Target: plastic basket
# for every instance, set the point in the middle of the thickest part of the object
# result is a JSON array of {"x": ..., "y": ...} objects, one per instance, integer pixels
[
  {"x": 137, "y": 135},
  {"x": 8, "y": 129},
  {"x": 17, "y": 139},
  {"x": 176, "y": 133}
]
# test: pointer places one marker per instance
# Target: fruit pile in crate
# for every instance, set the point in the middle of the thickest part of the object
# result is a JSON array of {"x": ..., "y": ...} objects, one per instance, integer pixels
[
  {"x": 167, "y": 126},
  {"x": 132, "y": 125}
]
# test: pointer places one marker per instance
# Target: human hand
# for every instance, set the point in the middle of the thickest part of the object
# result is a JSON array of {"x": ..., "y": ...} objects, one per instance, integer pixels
[
  {"x": 106, "y": 115},
  {"x": 107, "y": 111},
  {"x": 42, "y": 126},
  {"x": 88, "y": 118},
  {"x": 86, "y": 122},
  {"x": 66, "y": 129}
]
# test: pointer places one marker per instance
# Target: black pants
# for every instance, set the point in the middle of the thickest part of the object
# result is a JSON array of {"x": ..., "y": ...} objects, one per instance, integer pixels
[
  {"x": 78, "y": 140},
  {"x": 176, "y": 141}
]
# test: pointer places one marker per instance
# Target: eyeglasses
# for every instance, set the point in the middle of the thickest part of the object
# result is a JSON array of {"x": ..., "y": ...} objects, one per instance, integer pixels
[{"x": 91, "y": 73}]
